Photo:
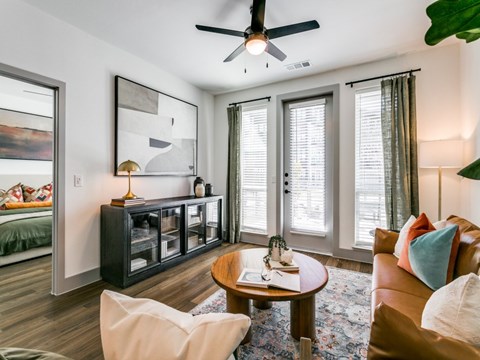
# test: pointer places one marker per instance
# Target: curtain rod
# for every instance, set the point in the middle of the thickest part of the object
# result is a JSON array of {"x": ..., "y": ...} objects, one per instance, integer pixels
[
  {"x": 383, "y": 76},
  {"x": 247, "y": 101}
]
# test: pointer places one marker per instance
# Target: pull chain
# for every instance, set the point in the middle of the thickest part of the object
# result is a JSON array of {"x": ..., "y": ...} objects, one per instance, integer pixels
[{"x": 245, "y": 62}]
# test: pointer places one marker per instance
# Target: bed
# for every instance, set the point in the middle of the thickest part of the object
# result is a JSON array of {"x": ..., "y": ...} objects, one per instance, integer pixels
[{"x": 25, "y": 234}]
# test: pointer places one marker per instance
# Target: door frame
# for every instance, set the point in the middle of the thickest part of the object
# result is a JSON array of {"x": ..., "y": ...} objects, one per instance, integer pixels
[
  {"x": 332, "y": 179},
  {"x": 58, "y": 218}
]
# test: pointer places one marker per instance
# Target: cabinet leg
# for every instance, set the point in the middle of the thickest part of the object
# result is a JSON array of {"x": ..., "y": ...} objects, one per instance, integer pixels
[
  {"x": 302, "y": 318},
  {"x": 239, "y": 305}
]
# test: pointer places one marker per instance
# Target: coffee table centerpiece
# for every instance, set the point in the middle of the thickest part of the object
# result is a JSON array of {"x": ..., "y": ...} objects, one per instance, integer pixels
[{"x": 313, "y": 278}]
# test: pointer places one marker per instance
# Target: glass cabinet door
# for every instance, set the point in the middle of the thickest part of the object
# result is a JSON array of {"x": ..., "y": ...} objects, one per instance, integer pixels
[
  {"x": 171, "y": 232},
  {"x": 212, "y": 221},
  {"x": 143, "y": 240},
  {"x": 196, "y": 226}
]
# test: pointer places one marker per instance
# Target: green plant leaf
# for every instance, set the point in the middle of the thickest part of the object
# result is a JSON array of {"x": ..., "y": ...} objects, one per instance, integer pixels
[
  {"x": 451, "y": 17},
  {"x": 469, "y": 36}
]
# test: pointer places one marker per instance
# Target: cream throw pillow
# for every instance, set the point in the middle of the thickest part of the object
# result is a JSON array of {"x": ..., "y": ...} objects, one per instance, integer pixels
[
  {"x": 454, "y": 310},
  {"x": 403, "y": 235},
  {"x": 146, "y": 329}
]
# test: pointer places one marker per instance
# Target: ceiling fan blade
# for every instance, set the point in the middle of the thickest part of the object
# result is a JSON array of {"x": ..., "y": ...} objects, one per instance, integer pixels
[
  {"x": 220, "y": 30},
  {"x": 275, "y": 52},
  {"x": 258, "y": 15},
  {"x": 292, "y": 29},
  {"x": 235, "y": 53}
]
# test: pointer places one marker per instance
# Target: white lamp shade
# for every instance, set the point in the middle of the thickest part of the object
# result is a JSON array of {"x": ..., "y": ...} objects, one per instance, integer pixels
[{"x": 441, "y": 153}]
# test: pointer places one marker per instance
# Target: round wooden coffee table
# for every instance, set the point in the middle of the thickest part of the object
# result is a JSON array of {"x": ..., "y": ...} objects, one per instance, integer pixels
[{"x": 313, "y": 278}]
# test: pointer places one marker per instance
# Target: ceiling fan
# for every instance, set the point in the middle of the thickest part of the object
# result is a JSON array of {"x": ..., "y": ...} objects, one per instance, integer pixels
[{"x": 257, "y": 36}]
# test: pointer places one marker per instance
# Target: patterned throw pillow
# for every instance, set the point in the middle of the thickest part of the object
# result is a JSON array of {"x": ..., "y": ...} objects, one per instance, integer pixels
[
  {"x": 14, "y": 194},
  {"x": 42, "y": 194}
]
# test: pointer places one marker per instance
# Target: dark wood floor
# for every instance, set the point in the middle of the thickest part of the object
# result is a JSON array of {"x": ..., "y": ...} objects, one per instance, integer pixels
[{"x": 69, "y": 324}]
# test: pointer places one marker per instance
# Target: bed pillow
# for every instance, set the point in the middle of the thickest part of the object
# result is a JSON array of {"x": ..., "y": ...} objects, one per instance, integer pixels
[
  {"x": 454, "y": 310},
  {"x": 12, "y": 195},
  {"x": 403, "y": 235},
  {"x": 146, "y": 329},
  {"x": 432, "y": 256},
  {"x": 26, "y": 205},
  {"x": 419, "y": 227},
  {"x": 41, "y": 194}
]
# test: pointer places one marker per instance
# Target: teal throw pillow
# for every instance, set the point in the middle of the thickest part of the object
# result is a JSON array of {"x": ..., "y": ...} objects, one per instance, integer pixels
[{"x": 429, "y": 255}]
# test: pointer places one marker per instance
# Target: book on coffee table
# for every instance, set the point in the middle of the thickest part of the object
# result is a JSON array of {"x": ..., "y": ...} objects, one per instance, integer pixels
[
  {"x": 278, "y": 265},
  {"x": 275, "y": 278}
]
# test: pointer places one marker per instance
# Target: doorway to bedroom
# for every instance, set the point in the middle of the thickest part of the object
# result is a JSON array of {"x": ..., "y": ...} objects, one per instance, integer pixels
[{"x": 27, "y": 125}]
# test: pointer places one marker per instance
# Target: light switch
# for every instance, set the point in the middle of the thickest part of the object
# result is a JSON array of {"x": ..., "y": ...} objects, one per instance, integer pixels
[{"x": 78, "y": 180}]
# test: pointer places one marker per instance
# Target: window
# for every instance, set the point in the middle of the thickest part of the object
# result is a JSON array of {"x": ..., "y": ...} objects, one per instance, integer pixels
[
  {"x": 369, "y": 175},
  {"x": 254, "y": 169}
]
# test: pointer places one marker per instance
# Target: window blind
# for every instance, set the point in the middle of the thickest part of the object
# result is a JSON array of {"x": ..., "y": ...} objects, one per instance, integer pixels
[
  {"x": 307, "y": 135},
  {"x": 254, "y": 169},
  {"x": 369, "y": 170}
]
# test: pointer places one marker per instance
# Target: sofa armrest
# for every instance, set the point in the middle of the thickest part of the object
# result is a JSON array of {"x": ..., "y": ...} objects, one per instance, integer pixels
[
  {"x": 395, "y": 336},
  {"x": 384, "y": 241}
]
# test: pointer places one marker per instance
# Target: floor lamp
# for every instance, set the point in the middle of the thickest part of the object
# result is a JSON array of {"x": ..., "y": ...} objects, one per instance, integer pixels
[{"x": 440, "y": 154}]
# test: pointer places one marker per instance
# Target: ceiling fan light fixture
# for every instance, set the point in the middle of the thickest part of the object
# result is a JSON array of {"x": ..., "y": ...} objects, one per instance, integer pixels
[{"x": 256, "y": 44}]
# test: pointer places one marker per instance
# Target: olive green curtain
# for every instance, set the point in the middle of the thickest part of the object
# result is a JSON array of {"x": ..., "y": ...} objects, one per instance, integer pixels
[
  {"x": 399, "y": 133},
  {"x": 233, "y": 175}
]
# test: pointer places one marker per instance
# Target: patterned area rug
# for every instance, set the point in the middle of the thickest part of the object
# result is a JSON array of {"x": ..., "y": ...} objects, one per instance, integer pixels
[{"x": 342, "y": 321}]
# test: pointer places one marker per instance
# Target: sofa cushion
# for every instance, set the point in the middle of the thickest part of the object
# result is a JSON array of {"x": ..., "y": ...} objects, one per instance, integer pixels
[
  {"x": 432, "y": 256},
  {"x": 394, "y": 336},
  {"x": 468, "y": 257},
  {"x": 146, "y": 329},
  {"x": 420, "y": 227},
  {"x": 408, "y": 304},
  {"x": 454, "y": 310},
  {"x": 402, "y": 236},
  {"x": 388, "y": 275}
]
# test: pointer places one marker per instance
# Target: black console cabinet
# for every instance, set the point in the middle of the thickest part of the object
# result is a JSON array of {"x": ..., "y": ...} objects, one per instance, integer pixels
[{"x": 142, "y": 240}]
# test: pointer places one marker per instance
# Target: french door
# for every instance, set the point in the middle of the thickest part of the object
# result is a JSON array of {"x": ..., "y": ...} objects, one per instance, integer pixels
[{"x": 307, "y": 168}]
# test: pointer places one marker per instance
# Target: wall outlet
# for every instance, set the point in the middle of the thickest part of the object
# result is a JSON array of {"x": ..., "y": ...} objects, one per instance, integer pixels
[{"x": 78, "y": 180}]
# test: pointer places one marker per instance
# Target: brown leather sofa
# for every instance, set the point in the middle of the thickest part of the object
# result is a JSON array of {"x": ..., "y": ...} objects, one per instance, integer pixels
[{"x": 398, "y": 300}]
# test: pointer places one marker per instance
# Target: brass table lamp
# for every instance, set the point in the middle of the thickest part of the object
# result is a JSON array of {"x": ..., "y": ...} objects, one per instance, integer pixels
[{"x": 129, "y": 166}]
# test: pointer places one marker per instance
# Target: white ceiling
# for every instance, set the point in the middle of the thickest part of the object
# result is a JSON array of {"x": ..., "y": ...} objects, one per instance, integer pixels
[{"x": 163, "y": 33}]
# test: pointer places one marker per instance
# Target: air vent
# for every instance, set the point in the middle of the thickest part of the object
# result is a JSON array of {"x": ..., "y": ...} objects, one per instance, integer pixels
[{"x": 298, "y": 65}]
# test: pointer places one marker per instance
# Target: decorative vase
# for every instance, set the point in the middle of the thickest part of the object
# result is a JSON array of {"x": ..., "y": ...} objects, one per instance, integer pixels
[
  {"x": 276, "y": 253},
  {"x": 199, "y": 187},
  {"x": 287, "y": 256},
  {"x": 208, "y": 190}
]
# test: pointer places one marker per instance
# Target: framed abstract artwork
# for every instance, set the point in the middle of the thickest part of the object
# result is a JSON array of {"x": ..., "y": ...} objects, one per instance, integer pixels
[
  {"x": 157, "y": 131},
  {"x": 25, "y": 136}
]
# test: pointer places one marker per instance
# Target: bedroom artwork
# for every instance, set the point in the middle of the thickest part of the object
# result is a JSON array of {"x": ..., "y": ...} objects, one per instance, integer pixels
[
  {"x": 25, "y": 136},
  {"x": 157, "y": 131}
]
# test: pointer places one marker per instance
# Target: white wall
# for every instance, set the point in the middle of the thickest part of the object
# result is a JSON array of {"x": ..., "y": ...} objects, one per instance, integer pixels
[
  {"x": 438, "y": 99},
  {"x": 36, "y": 42},
  {"x": 470, "y": 95}
]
